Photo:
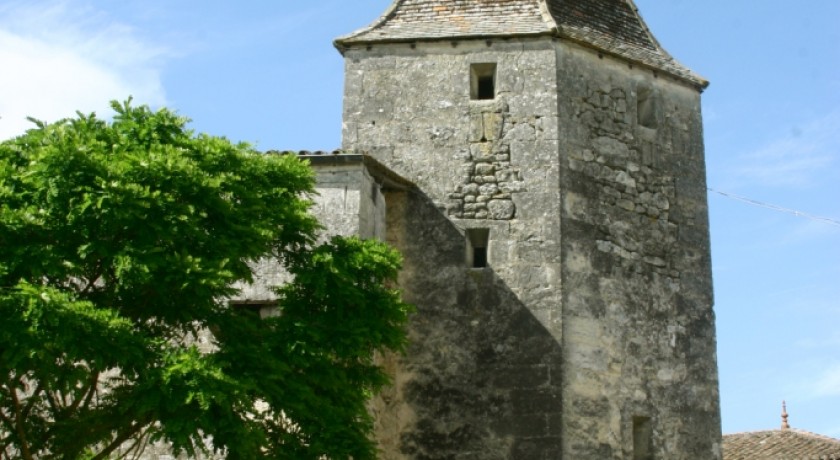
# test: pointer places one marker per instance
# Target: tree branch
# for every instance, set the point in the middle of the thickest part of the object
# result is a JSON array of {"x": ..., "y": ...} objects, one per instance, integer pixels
[
  {"x": 93, "y": 278},
  {"x": 53, "y": 402},
  {"x": 24, "y": 445},
  {"x": 87, "y": 392},
  {"x": 120, "y": 439},
  {"x": 32, "y": 399},
  {"x": 90, "y": 285},
  {"x": 7, "y": 420},
  {"x": 136, "y": 449}
]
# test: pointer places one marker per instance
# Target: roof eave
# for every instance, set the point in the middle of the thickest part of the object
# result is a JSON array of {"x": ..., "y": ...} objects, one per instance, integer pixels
[
  {"x": 346, "y": 42},
  {"x": 338, "y": 42},
  {"x": 387, "y": 178},
  {"x": 694, "y": 80}
]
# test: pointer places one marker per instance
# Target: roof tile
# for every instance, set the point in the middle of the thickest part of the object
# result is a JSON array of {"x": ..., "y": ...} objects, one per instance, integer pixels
[{"x": 780, "y": 445}]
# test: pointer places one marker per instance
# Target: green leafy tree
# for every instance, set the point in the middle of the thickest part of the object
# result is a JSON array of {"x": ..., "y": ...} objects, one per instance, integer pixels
[{"x": 119, "y": 242}]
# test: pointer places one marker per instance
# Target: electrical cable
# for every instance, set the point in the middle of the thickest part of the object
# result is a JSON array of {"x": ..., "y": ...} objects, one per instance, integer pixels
[{"x": 750, "y": 201}]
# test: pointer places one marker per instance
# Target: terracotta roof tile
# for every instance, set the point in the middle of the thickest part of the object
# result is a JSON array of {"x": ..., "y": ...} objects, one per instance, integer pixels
[
  {"x": 613, "y": 26},
  {"x": 780, "y": 445}
]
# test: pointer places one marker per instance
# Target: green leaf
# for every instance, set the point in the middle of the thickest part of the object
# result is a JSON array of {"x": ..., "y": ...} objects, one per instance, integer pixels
[{"x": 119, "y": 242}]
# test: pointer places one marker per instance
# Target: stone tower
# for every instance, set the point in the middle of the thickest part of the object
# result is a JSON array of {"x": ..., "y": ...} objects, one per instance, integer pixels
[{"x": 556, "y": 239}]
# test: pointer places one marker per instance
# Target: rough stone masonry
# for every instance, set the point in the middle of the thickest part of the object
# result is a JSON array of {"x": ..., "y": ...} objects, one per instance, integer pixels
[{"x": 558, "y": 144}]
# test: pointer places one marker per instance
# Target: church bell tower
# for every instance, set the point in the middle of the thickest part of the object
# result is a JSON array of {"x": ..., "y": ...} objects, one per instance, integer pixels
[{"x": 556, "y": 239}]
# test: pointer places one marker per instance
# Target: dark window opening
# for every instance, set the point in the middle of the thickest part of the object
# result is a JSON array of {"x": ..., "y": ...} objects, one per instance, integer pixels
[
  {"x": 486, "y": 88},
  {"x": 477, "y": 243},
  {"x": 642, "y": 438},
  {"x": 646, "y": 108},
  {"x": 256, "y": 310},
  {"x": 479, "y": 257},
  {"x": 252, "y": 310},
  {"x": 483, "y": 81}
]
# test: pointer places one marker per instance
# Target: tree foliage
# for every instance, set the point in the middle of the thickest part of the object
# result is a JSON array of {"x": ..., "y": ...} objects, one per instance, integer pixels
[{"x": 119, "y": 242}]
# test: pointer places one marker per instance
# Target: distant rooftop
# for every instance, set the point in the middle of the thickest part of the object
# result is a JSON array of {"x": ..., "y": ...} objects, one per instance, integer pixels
[
  {"x": 783, "y": 444},
  {"x": 787, "y": 444},
  {"x": 610, "y": 26}
]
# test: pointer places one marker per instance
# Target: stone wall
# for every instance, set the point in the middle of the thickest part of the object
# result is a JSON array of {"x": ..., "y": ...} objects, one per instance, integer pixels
[
  {"x": 482, "y": 377},
  {"x": 488, "y": 178},
  {"x": 589, "y": 175},
  {"x": 639, "y": 341},
  {"x": 348, "y": 201}
]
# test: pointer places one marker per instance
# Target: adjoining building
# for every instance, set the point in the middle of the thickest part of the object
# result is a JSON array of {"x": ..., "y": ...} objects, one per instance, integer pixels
[{"x": 785, "y": 443}]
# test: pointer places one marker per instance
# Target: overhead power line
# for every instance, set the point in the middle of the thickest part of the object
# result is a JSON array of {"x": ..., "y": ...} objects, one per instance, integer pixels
[{"x": 773, "y": 207}]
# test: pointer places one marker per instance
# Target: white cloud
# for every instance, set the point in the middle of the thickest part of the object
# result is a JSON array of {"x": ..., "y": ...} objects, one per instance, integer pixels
[
  {"x": 61, "y": 56},
  {"x": 795, "y": 158}
]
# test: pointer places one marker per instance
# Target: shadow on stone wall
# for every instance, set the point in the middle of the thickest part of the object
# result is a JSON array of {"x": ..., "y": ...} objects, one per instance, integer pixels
[{"x": 482, "y": 377}]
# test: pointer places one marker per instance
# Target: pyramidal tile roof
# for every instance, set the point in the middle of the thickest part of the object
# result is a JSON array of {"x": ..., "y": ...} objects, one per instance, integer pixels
[
  {"x": 611, "y": 26},
  {"x": 784, "y": 444}
]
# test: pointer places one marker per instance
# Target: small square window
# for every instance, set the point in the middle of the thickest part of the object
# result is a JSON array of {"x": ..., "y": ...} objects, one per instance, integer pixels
[{"x": 482, "y": 81}]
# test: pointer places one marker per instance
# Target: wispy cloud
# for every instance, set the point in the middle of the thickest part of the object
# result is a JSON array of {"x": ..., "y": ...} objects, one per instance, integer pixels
[
  {"x": 796, "y": 157},
  {"x": 62, "y": 56}
]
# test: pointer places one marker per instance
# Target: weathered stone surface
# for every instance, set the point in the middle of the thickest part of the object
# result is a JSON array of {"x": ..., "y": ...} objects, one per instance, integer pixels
[
  {"x": 501, "y": 209},
  {"x": 618, "y": 298},
  {"x": 349, "y": 202}
]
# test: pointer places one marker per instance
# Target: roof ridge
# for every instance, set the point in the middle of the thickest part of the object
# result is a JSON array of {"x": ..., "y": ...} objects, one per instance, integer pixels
[
  {"x": 814, "y": 435},
  {"x": 598, "y": 25},
  {"x": 738, "y": 433},
  {"x": 643, "y": 23},
  {"x": 787, "y": 443},
  {"x": 378, "y": 22},
  {"x": 789, "y": 430},
  {"x": 547, "y": 17}
]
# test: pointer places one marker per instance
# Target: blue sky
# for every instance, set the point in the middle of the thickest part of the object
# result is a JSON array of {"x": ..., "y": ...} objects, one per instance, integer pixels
[{"x": 266, "y": 72}]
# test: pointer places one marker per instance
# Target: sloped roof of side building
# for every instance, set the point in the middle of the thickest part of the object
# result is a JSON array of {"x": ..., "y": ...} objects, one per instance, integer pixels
[
  {"x": 785, "y": 444},
  {"x": 610, "y": 26}
]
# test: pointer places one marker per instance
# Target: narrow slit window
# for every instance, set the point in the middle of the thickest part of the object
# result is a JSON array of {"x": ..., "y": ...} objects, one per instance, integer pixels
[
  {"x": 646, "y": 108},
  {"x": 479, "y": 257},
  {"x": 483, "y": 81},
  {"x": 477, "y": 254},
  {"x": 642, "y": 438}
]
